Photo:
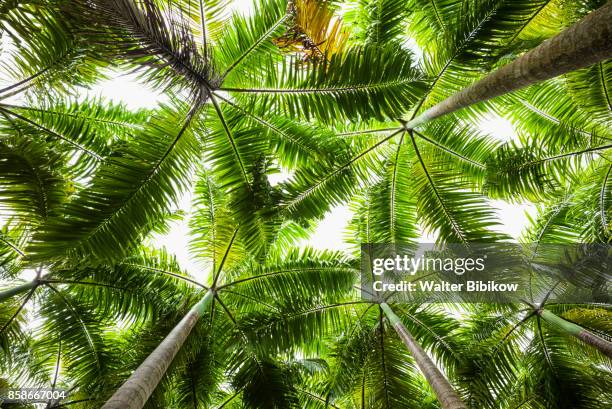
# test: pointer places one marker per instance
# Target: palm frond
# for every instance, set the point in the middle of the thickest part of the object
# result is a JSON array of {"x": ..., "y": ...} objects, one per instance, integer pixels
[
  {"x": 362, "y": 83},
  {"x": 249, "y": 37},
  {"x": 591, "y": 88},
  {"x": 137, "y": 183},
  {"x": 386, "y": 212},
  {"x": 31, "y": 183},
  {"x": 439, "y": 192},
  {"x": 312, "y": 191},
  {"x": 378, "y": 21},
  {"x": 157, "y": 41}
]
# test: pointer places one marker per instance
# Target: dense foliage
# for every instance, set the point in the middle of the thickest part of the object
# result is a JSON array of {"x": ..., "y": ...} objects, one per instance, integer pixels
[{"x": 318, "y": 90}]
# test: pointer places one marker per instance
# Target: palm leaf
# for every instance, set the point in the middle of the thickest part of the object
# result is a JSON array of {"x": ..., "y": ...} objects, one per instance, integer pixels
[
  {"x": 365, "y": 82},
  {"x": 133, "y": 186}
]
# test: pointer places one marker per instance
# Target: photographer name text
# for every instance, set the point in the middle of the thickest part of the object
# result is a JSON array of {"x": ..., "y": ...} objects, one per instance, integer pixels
[{"x": 445, "y": 286}]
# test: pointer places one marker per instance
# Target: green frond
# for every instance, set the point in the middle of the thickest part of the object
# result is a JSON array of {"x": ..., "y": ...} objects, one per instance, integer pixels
[
  {"x": 580, "y": 212},
  {"x": 157, "y": 41},
  {"x": 12, "y": 319},
  {"x": 591, "y": 89},
  {"x": 548, "y": 20},
  {"x": 299, "y": 324},
  {"x": 448, "y": 205},
  {"x": 211, "y": 223},
  {"x": 372, "y": 368},
  {"x": 46, "y": 51},
  {"x": 107, "y": 120},
  {"x": 297, "y": 275},
  {"x": 141, "y": 287},
  {"x": 207, "y": 20},
  {"x": 232, "y": 148},
  {"x": 362, "y": 83},
  {"x": 200, "y": 375},
  {"x": 561, "y": 379},
  {"x": 312, "y": 191},
  {"x": 377, "y": 21},
  {"x": 90, "y": 355},
  {"x": 12, "y": 242},
  {"x": 240, "y": 165},
  {"x": 68, "y": 134},
  {"x": 461, "y": 146},
  {"x": 266, "y": 384},
  {"x": 32, "y": 185},
  {"x": 386, "y": 211},
  {"x": 547, "y": 109},
  {"x": 293, "y": 143},
  {"x": 22, "y": 364},
  {"x": 430, "y": 18},
  {"x": 526, "y": 170},
  {"x": 138, "y": 182},
  {"x": 249, "y": 37},
  {"x": 591, "y": 213}
]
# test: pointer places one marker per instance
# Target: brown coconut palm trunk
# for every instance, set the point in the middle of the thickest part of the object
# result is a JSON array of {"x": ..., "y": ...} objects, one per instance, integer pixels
[
  {"x": 587, "y": 42},
  {"x": 604, "y": 346},
  {"x": 134, "y": 393},
  {"x": 445, "y": 393}
]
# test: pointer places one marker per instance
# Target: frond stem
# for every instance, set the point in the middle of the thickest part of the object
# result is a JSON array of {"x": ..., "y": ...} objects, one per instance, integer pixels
[
  {"x": 52, "y": 133},
  {"x": 223, "y": 260},
  {"x": 11, "y": 245},
  {"x": 228, "y": 400},
  {"x": 368, "y": 131},
  {"x": 602, "y": 200},
  {"x": 24, "y": 81},
  {"x": 253, "y": 46},
  {"x": 230, "y": 136},
  {"x": 158, "y": 270},
  {"x": 449, "y": 151},
  {"x": 269, "y": 274},
  {"x": 21, "y": 307},
  {"x": 435, "y": 189},
  {"x": 316, "y": 397}
]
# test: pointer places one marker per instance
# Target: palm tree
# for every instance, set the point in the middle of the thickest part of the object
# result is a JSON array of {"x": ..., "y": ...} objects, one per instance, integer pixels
[
  {"x": 148, "y": 289},
  {"x": 344, "y": 104},
  {"x": 276, "y": 274},
  {"x": 563, "y": 53},
  {"x": 577, "y": 331},
  {"x": 444, "y": 392}
]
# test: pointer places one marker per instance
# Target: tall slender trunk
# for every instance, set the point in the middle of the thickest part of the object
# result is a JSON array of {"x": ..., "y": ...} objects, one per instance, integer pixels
[
  {"x": 582, "y": 334},
  {"x": 444, "y": 391},
  {"x": 133, "y": 394},
  {"x": 6, "y": 294},
  {"x": 587, "y": 42}
]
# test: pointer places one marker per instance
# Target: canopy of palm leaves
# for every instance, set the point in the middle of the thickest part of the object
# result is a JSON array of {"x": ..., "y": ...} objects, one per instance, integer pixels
[{"x": 319, "y": 90}]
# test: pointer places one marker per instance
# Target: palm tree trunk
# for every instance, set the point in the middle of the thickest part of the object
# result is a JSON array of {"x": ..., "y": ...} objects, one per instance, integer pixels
[
  {"x": 6, "y": 294},
  {"x": 133, "y": 394},
  {"x": 587, "y": 42},
  {"x": 444, "y": 391},
  {"x": 604, "y": 346}
]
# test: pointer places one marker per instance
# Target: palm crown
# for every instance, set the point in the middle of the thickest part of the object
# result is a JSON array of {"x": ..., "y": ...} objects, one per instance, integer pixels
[{"x": 343, "y": 97}]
